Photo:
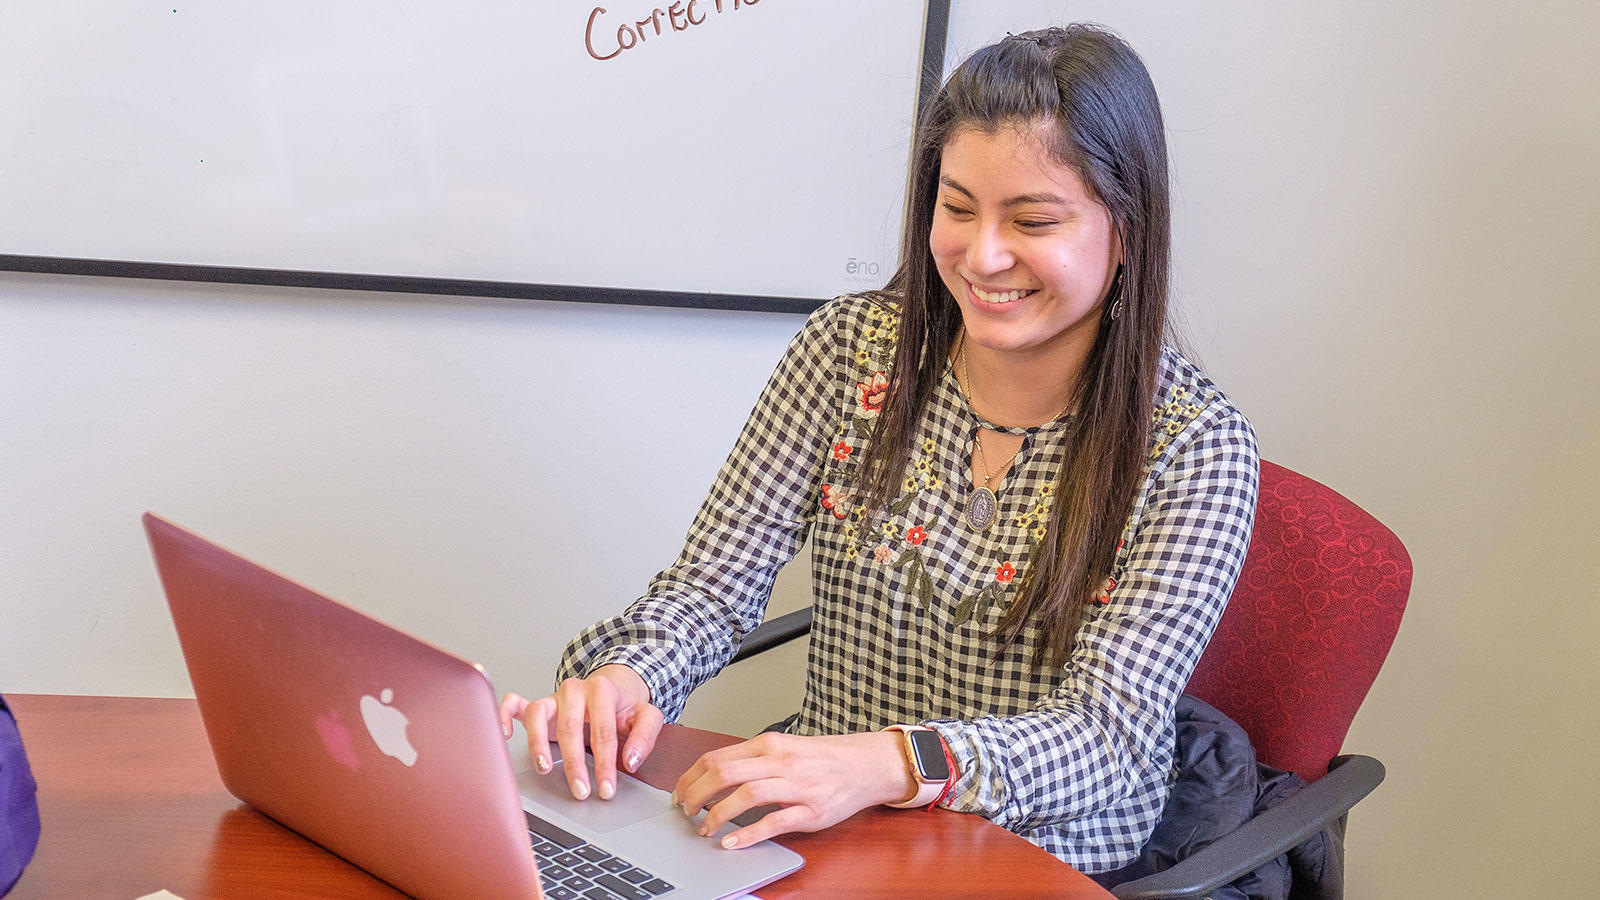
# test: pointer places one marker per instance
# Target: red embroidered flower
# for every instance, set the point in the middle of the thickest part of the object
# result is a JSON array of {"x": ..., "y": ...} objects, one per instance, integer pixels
[
  {"x": 1005, "y": 572},
  {"x": 1104, "y": 596},
  {"x": 916, "y": 536},
  {"x": 835, "y": 504},
  {"x": 842, "y": 450},
  {"x": 873, "y": 392}
]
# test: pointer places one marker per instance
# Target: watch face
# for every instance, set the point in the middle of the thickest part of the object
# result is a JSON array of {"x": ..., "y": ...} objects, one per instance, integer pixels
[{"x": 928, "y": 750}]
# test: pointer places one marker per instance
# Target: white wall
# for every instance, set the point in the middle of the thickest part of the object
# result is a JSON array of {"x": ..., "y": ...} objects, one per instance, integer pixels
[
  {"x": 1387, "y": 222},
  {"x": 489, "y": 476}
]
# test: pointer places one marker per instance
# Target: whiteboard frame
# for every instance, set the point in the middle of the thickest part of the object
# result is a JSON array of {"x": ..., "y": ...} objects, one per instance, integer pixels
[{"x": 935, "y": 30}]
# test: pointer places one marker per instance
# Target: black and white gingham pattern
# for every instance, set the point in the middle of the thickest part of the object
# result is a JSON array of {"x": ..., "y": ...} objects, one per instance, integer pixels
[{"x": 1075, "y": 759}]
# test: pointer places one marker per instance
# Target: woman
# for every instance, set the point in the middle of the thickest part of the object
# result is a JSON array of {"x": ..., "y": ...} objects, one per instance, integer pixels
[{"x": 1026, "y": 512}]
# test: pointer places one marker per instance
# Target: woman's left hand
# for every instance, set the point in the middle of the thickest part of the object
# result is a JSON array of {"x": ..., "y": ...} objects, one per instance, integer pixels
[{"x": 816, "y": 782}]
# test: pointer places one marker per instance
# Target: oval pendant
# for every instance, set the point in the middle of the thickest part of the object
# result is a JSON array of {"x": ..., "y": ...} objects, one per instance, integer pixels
[{"x": 981, "y": 507}]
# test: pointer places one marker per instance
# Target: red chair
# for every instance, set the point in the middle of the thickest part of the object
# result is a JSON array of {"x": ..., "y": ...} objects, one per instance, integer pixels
[{"x": 1309, "y": 624}]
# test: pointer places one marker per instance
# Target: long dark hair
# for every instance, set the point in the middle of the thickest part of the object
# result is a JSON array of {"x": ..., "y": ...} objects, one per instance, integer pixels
[{"x": 1107, "y": 123}]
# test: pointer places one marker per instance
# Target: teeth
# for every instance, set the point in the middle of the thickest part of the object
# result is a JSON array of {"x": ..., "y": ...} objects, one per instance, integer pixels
[{"x": 1007, "y": 297}]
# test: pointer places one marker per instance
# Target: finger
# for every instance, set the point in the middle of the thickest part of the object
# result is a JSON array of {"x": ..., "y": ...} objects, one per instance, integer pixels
[
  {"x": 536, "y": 719},
  {"x": 642, "y": 734},
  {"x": 742, "y": 799},
  {"x": 511, "y": 707},
  {"x": 721, "y": 771},
  {"x": 603, "y": 737},
  {"x": 781, "y": 821},
  {"x": 572, "y": 709},
  {"x": 694, "y": 785}
]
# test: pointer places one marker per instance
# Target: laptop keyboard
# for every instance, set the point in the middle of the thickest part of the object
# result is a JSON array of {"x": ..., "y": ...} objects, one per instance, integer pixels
[{"x": 571, "y": 868}]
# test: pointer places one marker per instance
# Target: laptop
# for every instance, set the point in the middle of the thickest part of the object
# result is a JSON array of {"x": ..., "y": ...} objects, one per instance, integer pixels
[{"x": 387, "y": 751}]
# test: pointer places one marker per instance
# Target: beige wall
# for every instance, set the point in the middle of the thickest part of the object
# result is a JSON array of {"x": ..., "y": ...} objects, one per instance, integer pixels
[{"x": 1386, "y": 252}]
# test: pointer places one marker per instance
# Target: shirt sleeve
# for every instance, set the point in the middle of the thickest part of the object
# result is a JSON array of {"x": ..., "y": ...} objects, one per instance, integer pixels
[
  {"x": 1105, "y": 733},
  {"x": 695, "y": 613}
]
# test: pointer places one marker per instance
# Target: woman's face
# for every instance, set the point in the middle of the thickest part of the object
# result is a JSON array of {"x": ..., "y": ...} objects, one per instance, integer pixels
[{"x": 1023, "y": 245}]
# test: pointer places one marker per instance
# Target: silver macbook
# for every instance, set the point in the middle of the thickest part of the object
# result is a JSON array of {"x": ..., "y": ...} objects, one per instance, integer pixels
[{"x": 387, "y": 751}]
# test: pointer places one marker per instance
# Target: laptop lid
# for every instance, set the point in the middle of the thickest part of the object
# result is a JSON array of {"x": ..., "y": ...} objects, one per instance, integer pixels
[
  {"x": 376, "y": 745},
  {"x": 387, "y": 750}
]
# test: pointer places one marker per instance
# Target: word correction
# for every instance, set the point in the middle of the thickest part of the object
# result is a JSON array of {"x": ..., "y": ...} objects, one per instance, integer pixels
[{"x": 679, "y": 16}]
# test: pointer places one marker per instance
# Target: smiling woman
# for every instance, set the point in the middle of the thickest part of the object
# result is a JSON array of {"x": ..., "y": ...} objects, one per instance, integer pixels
[{"x": 1015, "y": 565}]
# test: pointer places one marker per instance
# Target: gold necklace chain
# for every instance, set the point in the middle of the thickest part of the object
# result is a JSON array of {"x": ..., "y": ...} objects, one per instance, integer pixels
[{"x": 977, "y": 439}]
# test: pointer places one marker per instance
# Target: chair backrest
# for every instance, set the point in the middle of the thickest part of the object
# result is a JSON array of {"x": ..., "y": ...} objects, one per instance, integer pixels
[{"x": 1316, "y": 608}]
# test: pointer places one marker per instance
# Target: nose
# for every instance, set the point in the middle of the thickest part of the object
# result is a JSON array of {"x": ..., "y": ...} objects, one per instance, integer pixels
[{"x": 988, "y": 252}]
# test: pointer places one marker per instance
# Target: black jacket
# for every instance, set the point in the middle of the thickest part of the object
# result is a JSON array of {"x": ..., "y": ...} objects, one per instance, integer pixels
[{"x": 1218, "y": 786}]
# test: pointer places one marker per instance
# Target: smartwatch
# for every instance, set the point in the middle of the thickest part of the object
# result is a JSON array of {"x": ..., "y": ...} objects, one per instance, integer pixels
[{"x": 925, "y": 757}]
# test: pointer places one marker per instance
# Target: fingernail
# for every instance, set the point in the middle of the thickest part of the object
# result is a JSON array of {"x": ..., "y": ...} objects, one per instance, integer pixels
[
  {"x": 633, "y": 761},
  {"x": 730, "y": 842},
  {"x": 607, "y": 790},
  {"x": 580, "y": 790},
  {"x": 704, "y": 831},
  {"x": 542, "y": 764},
  {"x": 673, "y": 797}
]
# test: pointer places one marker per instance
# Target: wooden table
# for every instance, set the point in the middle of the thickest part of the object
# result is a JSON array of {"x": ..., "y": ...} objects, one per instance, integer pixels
[{"x": 131, "y": 804}]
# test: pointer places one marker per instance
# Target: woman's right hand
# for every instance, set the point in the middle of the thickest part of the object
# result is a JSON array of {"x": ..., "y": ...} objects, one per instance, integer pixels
[{"x": 613, "y": 702}]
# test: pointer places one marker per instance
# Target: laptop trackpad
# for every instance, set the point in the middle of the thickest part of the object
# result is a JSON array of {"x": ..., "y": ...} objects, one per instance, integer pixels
[{"x": 634, "y": 800}]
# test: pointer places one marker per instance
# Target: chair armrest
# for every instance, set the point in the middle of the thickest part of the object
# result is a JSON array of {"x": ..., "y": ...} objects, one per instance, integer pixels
[
  {"x": 1268, "y": 835},
  {"x": 774, "y": 632}
]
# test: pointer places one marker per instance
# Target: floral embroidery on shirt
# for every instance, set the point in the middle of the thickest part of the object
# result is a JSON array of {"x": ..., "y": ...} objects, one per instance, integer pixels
[
  {"x": 1005, "y": 572},
  {"x": 987, "y": 598},
  {"x": 921, "y": 582},
  {"x": 842, "y": 450},
  {"x": 1037, "y": 517},
  {"x": 873, "y": 391},
  {"x": 1172, "y": 417},
  {"x": 1104, "y": 597},
  {"x": 916, "y": 535},
  {"x": 836, "y": 503},
  {"x": 884, "y": 553}
]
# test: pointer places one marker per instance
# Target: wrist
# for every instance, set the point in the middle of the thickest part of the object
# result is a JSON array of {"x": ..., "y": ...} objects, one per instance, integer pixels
[
  {"x": 628, "y": 681},
  {"x": 901, "y": 783}
]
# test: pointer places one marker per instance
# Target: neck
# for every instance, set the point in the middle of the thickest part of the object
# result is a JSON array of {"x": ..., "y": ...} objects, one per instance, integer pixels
[{"x": 1016, "y": 392}]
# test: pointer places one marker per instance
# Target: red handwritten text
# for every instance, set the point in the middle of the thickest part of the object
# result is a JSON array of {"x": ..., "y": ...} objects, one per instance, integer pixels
[{"x": 680, "y": 16}]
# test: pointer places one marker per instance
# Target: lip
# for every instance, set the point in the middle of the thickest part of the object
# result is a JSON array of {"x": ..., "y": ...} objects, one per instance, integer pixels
[{"x": 987, "y": 296}]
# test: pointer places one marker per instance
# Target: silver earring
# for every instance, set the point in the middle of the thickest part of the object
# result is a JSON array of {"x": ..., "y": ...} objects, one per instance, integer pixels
[{"x": 1116, "y": 309}]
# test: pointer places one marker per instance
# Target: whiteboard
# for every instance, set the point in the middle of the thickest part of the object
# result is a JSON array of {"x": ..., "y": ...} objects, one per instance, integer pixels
[{"x": 752, "y": 148}]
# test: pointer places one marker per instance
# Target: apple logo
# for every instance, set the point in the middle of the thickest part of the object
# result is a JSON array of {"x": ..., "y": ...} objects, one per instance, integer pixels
[
  {"x": 387, "y": 726},
  {"x": 336, "y": 738}
]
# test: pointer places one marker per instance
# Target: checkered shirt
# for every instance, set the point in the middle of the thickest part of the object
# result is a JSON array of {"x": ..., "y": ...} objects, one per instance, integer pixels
[{"x": 1076, "y": 759}]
